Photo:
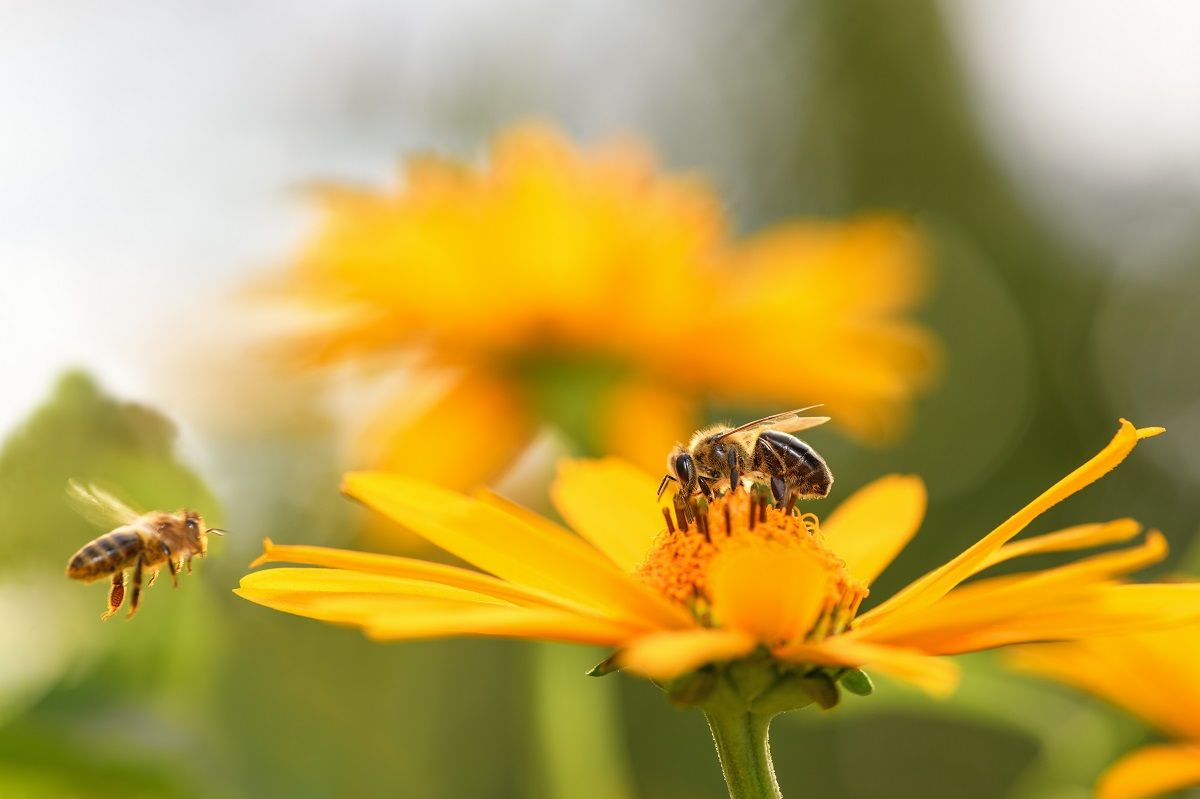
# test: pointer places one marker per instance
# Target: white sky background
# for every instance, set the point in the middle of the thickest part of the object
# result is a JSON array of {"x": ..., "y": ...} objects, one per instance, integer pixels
[{"x": 148, "y": 149}]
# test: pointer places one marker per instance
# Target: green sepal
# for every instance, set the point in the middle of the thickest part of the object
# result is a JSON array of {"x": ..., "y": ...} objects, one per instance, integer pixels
[
  {"x": 606, "y": 666},
  {"x": 857, "y": 682},
  {"x": 752, "y": 677},
  {"x": 790, "y": 692},
  {"x": 823, "y": 689},
  {"x": 692, "y": 689}
]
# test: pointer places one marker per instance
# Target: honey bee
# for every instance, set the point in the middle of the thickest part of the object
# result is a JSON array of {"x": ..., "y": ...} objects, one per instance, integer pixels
[
  {"x": 142, "y": 542},
  {"x": 720, "y": 455}
]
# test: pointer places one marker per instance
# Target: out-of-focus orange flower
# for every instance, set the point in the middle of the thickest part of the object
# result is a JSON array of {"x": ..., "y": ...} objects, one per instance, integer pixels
[
  {"x": 1152, "y": 675},
  {"x": 560, "y": 285},
  {"x": 749, "y": 579}
]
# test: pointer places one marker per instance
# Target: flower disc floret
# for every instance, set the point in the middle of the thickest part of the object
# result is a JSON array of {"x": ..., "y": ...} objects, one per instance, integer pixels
[{"x": 689, "y": 562}]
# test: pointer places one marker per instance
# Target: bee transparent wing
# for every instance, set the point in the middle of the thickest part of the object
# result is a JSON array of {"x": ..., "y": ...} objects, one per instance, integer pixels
[
  {"x": 99, "y": 506},
  {"x": 798, "y": 423},
  {"x": 786, "y": 422}
]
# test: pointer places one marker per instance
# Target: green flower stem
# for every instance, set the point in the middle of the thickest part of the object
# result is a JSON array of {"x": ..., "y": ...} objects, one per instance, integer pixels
[{"x": 745, "y": 754}]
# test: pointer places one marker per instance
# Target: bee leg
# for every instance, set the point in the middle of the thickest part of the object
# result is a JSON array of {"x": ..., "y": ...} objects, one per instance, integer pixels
[
  {"x": 683, "y": 512},
  {"x": 706, "y": 488},
  {"x": 136, "y": 596},
  {"x": 189, "y": 564},
  {"x": 116, "y": 595},
  {"x": 735, "y": 474},
  {"x": 171, "y": 565},
  {"x": 778, "y": 489},
  {"x": 153, "y": 578}
]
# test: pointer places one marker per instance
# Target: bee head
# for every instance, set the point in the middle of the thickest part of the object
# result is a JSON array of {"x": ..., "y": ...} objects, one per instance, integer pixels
[
  {"x": 682, "y": 467},
  {"x": 197, "y": 533}
]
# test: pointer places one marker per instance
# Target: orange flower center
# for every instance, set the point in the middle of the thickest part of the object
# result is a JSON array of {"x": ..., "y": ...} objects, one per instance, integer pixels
[{"x": 679, "y": 565}]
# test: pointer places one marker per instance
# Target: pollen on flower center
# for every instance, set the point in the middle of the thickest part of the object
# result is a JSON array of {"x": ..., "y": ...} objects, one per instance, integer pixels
[{"x": 680, "y": 564}]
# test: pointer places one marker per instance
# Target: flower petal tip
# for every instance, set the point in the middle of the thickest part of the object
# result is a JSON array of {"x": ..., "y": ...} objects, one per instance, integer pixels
[
  {"x": 1150, "y": 432},
  {"x": 266, "y": 556},
  {"x": 352, "y": 482},
  {"x": 349, "y": 479}
]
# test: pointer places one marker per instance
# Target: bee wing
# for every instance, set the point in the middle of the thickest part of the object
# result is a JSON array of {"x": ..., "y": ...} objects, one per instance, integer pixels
[
  {"x": 786, "y": 422},
  {"x": 99, "y": 506}
]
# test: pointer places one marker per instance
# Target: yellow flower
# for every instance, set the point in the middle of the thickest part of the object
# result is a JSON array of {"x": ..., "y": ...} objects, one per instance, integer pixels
[
  {"x": 500, "y": 288},
  {"x": 751, "y": 581},
  {"x": 1152, "y": 675}
]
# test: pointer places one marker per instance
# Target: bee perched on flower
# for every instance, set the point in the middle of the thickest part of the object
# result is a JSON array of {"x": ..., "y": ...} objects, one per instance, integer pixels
[
  {"x": 1152, "y": 675},
  {"x": 568, "y": 287},
  {"x": 749, "y": 611}
]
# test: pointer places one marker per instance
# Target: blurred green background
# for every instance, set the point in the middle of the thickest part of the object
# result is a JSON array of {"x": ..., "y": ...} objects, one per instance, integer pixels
[{"x": 1065, "y": 298}]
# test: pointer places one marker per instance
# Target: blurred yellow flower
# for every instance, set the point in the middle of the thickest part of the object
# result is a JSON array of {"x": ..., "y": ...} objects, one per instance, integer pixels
[
  {"x": 565, "y": 286},
  {"x": 1153, "y": 675},
  {"x": 749, "y": 579}
]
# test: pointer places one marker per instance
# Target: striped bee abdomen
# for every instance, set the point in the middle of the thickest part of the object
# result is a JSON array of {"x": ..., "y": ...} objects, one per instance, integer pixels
[
  {"x": 792, "y": 462},
  {"x": 108, "y": 553}
]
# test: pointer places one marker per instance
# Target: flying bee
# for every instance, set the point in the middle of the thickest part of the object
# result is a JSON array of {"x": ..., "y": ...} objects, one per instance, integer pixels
[
  {"x": 141, "y": 542},
  {"x": 764, "y": 448}
]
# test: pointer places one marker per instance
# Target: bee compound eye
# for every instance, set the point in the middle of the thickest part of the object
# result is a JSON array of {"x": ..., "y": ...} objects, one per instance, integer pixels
[{"x": 685, "y": 468}]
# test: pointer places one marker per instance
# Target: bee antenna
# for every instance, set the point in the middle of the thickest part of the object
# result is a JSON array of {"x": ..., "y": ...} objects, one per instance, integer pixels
[{"x": 215, "y": 531}]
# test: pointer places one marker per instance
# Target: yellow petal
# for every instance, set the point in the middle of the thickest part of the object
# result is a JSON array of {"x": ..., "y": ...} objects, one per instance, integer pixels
[
  {"x": 934, "y": 585},
  {"x": 510, "y": 548},
  {"x": 1151, "y": 771},
  {"x": 1082, "y": 536},
  {"x": 870, "y": 528},
  {"x": 610, "y": 503},
  {"x": 936, "y": 676},
  {"x": 497, "y": 622},
  {"x": 1108, "y": 610},
  {"x": 464, "y": 436},
  {"x": 1150, "y": 674},
  {"x": 355, "y": 608},
  {"x": 390, "y": 615},
  {"x": 394, "y": 566},
  {"x": 997, "y": 601},
  {"x": 664, "y": 656},
  {"x": 775, "y": 593},
  {"x": 640, "y": 422},
  {"x": 341, "y": 581}
]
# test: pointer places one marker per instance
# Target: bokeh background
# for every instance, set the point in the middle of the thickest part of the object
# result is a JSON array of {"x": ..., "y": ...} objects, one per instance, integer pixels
[{"x": 150, "y": 155}]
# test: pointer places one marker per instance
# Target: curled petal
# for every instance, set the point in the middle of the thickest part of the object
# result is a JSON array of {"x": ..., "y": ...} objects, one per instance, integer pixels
[
  {"x": 1083, "y": 536},
  {"x": 937, "y": 583},
  {"x": 963, "y": 614}
]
